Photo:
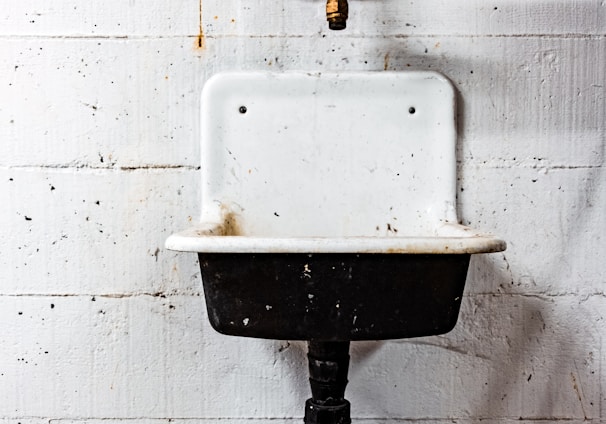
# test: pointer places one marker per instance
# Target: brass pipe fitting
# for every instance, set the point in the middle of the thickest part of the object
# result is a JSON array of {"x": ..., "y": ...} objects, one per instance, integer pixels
[{"x": 336, "y": 14}]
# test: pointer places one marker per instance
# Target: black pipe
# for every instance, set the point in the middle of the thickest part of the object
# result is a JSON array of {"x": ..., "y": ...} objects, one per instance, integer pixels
[{"x": 328, "y": 367}]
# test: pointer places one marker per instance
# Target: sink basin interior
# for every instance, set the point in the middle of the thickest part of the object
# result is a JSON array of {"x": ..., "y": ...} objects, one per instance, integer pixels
[
  {"x": 298, "y": 155},
  {"x": 353, "y": 162}
]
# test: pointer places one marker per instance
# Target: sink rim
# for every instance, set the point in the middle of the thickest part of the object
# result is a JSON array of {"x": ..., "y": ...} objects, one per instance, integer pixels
[{"x": 448, "y": 239}]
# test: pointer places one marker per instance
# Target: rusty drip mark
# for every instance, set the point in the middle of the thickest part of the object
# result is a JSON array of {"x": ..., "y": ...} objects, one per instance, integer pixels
[
  {"x": 386, "y": 62},
  {"x": 200, "y": 43},
  {"x": 575, "y": 386}
]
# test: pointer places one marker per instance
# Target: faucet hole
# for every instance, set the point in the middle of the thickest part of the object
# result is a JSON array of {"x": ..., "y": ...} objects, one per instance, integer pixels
[
  {"x": 411, "y": 110},
  {"x": 242, "y": 109}
]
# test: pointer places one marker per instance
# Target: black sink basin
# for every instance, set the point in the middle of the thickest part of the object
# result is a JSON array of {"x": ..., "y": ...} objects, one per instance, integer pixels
[{"x": 332, "y": 296}]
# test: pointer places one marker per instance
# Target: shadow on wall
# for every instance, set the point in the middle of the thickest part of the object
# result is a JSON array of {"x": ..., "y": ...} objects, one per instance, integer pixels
[{"x": 542, "y": 366}]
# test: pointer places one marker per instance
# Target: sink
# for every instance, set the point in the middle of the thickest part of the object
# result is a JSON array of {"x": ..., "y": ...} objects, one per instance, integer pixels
[
  {"x": 328, "y": 212},
  {"x": 328, "y": 206}
]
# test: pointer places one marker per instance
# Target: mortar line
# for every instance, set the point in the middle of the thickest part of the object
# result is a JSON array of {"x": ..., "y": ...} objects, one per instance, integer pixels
[
  {"x": 160, "y": 167},
  {"x": 89, "y": 168},
  {"x": 505, "y": 419},
  {"x": 540, "y": 296},
  {"x": 106, "y": 295},
  {"x": 295, "y": 36}
]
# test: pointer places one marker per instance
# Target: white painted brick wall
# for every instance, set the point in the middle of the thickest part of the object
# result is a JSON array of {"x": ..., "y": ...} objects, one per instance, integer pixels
[{"x": 99, "y": 163}]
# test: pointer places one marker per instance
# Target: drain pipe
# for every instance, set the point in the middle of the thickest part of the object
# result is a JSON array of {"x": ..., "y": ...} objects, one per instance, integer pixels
[
  {"x": 337, "y": 12},
  {"x": 328, "y": 367}
]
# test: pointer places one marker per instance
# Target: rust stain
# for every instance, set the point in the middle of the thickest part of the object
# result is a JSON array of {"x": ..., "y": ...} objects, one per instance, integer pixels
[
  {"x": 437, "y": 46},
  {"x": 231, "y": 226},
  {"x": 396, "y": 251},
  {"x": 200, "y": 39},
  {"x": 386, "y": 62},
  {"x": 575, "y": 386}
]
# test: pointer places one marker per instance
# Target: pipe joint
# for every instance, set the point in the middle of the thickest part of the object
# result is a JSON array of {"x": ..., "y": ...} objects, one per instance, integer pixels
[{"x": 337, "y": 12}]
